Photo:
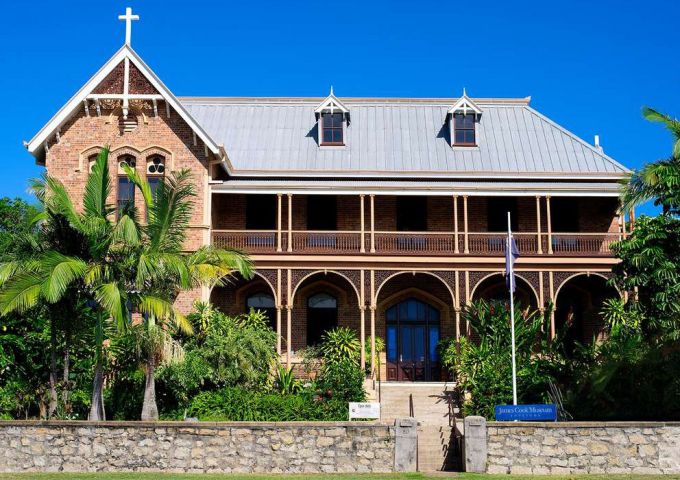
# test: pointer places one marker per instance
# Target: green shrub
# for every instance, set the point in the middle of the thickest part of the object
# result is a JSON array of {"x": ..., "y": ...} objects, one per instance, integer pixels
[
  {"x": 241, "y": 404},
  {"x": 484, "y": 369}
]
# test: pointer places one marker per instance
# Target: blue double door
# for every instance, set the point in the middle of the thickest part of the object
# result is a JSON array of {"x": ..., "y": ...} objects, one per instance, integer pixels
[{"x": 412, "y": 329}]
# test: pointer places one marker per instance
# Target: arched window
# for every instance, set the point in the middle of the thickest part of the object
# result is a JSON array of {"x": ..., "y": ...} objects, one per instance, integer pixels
[
  {"x": 412, "y": 339},
  {"x": 155, "y": 170},
  {"x": 322, "y": 315},
  {"x": 264, "y": 302},
  {"x": 126, "y": 189},
  {"x": 322, "y": 300},
  {"x": 91, "y": 161}
]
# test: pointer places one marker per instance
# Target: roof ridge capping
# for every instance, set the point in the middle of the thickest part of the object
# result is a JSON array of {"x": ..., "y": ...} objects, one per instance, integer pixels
[{"x": 435, "y": 100}]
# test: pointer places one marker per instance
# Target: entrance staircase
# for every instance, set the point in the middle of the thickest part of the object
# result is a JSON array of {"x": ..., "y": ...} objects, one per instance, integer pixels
[{"x": 435, "y": 407}]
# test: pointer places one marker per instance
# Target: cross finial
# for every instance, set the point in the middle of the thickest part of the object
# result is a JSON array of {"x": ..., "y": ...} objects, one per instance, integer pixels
[{"x": 128, "y": 17}]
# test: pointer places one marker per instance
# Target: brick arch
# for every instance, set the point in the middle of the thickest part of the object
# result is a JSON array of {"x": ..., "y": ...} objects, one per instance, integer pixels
[
  {"x": 256, "y": 273},
  {"x": 296, "y": 282},
  {"x": 417, "y": 293},
  {"x": 87, "y": 153},
  {"x": 154, "y": 150},
  {"x": 578, "y": 274},
  {"x": 387, "y": 278},
  {"x": 112, "y": 117},
  {"x": 320, "y": 285},
  {"x": 527, "y": 282},
  {"x": 255, "y": 285}
]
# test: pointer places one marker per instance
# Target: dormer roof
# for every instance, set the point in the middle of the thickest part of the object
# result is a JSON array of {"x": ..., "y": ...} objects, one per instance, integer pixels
[
  {"x": 465, "y": 105},
  {"x": 331, "y": 103}
]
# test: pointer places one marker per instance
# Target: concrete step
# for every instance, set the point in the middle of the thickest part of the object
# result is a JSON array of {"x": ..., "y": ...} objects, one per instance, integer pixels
[{"x": 438, "y": 449}]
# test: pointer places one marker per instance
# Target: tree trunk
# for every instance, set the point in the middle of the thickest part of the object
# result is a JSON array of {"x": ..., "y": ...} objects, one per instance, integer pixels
[
  {"x": 150, "y": 409},
  {"x": 67, "y": 370},
  {"x": 53, "y": 369},
  {"x": 97, "y": 410}
]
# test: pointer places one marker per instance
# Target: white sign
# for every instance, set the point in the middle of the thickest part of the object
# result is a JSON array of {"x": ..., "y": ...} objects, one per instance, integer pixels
[{"x": 364, "y": 410}]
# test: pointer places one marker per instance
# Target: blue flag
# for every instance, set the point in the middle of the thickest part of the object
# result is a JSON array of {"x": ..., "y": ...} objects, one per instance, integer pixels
[{"x": 511, "y": 255}]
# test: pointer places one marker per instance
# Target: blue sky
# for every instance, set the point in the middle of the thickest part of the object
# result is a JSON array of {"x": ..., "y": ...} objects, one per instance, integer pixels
[{"x": 588, "y": 65}]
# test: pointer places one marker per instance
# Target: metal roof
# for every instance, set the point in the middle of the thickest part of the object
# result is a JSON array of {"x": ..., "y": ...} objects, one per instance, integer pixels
[
  {"x": 400, "y": 187},
  {"x": 397, "y": 136}
]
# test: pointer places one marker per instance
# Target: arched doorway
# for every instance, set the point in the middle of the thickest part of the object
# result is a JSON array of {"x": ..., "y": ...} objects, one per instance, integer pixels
[
  {"x": 322, "y": 315},
  {"x": 263, "y": 302},
  {"x": 494, "y": 289},
  {"x": 578, "y": 309},
  {"x": 412, "y": 328}
]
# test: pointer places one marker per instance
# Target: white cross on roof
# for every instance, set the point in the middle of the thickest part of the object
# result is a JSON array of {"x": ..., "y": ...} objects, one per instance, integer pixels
[{"x": 128, "y": 17}]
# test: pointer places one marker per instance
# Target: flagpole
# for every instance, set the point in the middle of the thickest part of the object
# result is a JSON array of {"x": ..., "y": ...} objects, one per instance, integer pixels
[{"x": 511, "y": 275}]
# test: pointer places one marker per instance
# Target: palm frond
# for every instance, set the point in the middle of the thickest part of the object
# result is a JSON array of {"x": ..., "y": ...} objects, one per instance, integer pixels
[
  {"x": 127, "y": 230},
  {"x": 162, "y": 309},
  {"x": 112, "y": 299},
  {"x": 170, "y": 213},
  {"x": 21, "y": 293},
  {"x": 60, "y": 271},
  {"x": 142, "y": 184},
  {"x": 98, "y": 187}
]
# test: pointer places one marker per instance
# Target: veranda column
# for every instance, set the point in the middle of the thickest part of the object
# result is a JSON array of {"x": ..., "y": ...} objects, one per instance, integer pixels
[
  {"x": 538, "y": 223},
  {"x": 278, "y": 224},
  {"x": 552, "y": 312},
  {"x": 372, "y": 225},
  {"x": 290, "y": 222},
  {"x": 456, "y": 305},
  {"x": 279, "y": 294},
  {"x": 361, "y": 213},
  {"x": 362, "y": 315},
  {"x": 465, "y": 222},
  {"x": 632, "y": 218},
  {"x": 372, "y": 322},
  {"x": 547, "y": 210},
  {"x": 455, "y": 225},
  {"x": 278, "y": 329},
  {"x": 289, "y": 308}
]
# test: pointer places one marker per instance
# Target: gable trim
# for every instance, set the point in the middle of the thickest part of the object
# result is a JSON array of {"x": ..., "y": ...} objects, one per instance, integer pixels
[{"x": 125, "y": 53}]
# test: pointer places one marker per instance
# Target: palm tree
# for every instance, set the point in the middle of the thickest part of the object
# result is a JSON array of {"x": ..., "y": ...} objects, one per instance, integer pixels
[
  {"x": 161, "y": 266},
  {"x": 97, "y": 272},
  {"x": 659, "y": 180}
]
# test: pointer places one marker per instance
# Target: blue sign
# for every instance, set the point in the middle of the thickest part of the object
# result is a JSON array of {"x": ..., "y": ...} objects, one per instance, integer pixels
[{"x": 526, "y": 412}]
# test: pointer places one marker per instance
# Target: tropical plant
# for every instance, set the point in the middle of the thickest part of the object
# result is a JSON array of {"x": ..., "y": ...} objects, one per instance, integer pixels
[
  {"x": 660, "y": 180},
  {"x": 160, "y": 266},
  {"x": 230, "y": 351},
  {"x": 484, "y": 367},
  {"x": 339, "y": 345},
  {"x": 379, "y": 348},
  {"x": 284, "y": 381},
  {"x": 122, "y": 267}
]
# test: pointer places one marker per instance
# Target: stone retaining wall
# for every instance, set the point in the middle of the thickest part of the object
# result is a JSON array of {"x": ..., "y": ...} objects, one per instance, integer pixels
[
  {"x": 582, "y": 447},
  {"x": 290, "y": 447}
]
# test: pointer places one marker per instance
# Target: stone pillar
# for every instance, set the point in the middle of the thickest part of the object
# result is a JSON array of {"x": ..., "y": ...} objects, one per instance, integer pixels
[
  {"x": 406, "y": 445},
  {"x": 474, "y": 451}
]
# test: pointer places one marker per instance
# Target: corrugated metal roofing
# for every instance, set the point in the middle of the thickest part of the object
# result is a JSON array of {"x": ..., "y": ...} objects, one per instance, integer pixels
[{"x": 393, "y": 136}]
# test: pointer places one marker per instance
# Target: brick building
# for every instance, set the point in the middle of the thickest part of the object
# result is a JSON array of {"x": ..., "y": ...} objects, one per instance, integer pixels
[{"x": 385, "y": 215}]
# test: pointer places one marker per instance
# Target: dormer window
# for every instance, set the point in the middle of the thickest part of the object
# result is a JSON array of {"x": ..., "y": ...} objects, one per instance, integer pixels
[
  {"x": 331, "y": 128},
  {"x": 464, "y": 129},
  {"x": 463, "y": 119},
  {"x": 333, "y": 118}
]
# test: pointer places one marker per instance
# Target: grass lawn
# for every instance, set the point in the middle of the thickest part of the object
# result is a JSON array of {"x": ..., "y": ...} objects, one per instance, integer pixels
[{"x": 394, "y": 476}]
